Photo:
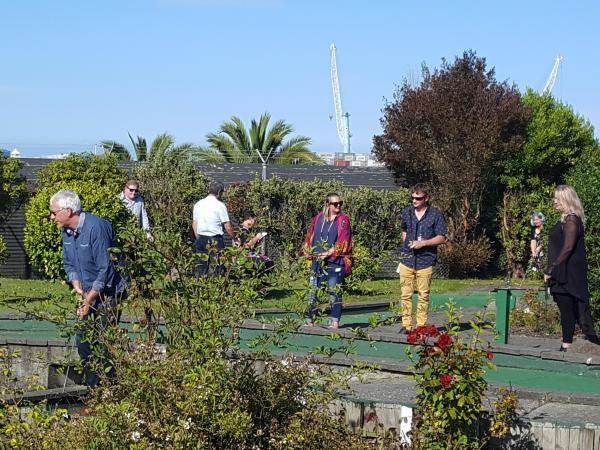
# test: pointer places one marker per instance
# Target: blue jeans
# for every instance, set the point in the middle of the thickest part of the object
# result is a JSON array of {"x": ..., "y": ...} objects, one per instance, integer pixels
[
  {"x": 333, "y": 275},
  {"x": 105, "y": 313}
]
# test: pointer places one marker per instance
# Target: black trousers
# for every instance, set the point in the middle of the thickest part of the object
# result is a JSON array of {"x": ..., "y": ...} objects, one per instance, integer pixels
[
  {"x": 202, "y": 243},
  {"x": 573, "y": 310}
]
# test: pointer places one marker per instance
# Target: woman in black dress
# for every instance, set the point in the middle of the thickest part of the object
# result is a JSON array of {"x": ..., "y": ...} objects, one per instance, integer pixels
[{"x": 566, "y": 273}]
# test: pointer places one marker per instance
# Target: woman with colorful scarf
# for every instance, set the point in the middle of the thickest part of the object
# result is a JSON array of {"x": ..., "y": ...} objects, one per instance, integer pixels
[{"x": 328, "y": 244}]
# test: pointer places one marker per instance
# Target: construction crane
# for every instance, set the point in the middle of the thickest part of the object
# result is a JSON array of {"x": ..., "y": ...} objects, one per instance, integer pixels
[
  {"x": 552, "y": 78},
  {"x": 342, "y": 119}
]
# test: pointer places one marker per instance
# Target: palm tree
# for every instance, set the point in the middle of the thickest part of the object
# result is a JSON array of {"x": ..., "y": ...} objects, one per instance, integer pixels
[
  {"x": 116, "y": 149},
  {"x": 162, "y": 147},
  {"x": 234, "y": 144}
]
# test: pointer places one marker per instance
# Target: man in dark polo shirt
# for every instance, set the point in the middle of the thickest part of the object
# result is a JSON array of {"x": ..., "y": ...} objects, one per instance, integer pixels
[{"x": 423, "y": 229}]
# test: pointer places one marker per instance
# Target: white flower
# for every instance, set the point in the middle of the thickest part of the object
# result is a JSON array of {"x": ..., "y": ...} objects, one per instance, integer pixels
[
  {"x": 135, "y": 436},
  {"x": 187, "y": 424},
  {"x": 140, "y": 422}
]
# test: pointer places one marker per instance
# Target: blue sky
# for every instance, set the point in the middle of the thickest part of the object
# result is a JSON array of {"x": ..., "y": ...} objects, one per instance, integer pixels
[{"x": 73, "y": 73}]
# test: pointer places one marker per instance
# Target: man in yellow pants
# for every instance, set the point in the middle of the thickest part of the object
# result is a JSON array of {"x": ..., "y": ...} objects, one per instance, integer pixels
[{"x": 423, "y": 229}]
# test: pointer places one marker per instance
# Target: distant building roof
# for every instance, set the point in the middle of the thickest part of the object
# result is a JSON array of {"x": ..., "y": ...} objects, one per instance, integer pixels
[{"x": 373, "y": 177}]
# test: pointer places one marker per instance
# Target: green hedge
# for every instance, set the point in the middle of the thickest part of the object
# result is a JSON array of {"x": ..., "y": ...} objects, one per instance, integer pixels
[{"x": 286, "y": 208}]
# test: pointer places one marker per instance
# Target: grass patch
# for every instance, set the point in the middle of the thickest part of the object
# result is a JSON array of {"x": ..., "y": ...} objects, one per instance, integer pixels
[
  {"x": 13, "y": 288},
  {"x": 291, "y": 296},
  {"x": 383, "y": 289},
  {"x": 19, "y": 296}
]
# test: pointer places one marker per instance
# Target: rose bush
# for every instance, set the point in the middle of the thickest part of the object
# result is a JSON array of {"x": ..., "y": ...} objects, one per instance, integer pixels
[{"x": 450, "y": 385}]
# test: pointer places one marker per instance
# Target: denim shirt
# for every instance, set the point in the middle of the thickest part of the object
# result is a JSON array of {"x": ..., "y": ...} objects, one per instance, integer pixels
[
  {"x": 432, "y": 224},
  {"x": 86, "y": 257}
]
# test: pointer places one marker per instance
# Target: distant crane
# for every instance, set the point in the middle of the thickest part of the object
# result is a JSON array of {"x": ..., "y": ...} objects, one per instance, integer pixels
[
  {"x": 342, "y": 119},
  {"x": 552, "y": 78}
]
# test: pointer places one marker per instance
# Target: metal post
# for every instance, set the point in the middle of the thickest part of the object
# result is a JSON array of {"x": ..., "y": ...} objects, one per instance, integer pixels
[
  {"x": 503, "y": 296},
  {"x": 264, "y": 178},
  {"x": 348, "y": 135}
]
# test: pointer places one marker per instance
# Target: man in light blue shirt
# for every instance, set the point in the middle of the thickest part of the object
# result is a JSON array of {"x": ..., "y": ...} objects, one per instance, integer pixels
[
  {"x": 135, "y": 204},
  {"x": 86, "y": 240}
]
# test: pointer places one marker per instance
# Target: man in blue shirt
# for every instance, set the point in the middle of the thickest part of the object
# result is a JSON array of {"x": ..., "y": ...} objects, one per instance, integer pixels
[
  {"x": 86, "y": 240},
  {"x": 134, "y": 203},
  {"x": 423, "y": 229}
]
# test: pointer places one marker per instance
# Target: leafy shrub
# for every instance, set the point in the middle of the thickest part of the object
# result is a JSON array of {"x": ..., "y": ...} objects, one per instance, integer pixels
[
  {"x": 364, "y": 268},
  {"x": 97, "y": 181},
  {"x": 171, "y": 187},
  {"x": 12, "y": 185},
  {"x": 286, "y": 208},
  {"x": 467, "y": 259},
  {"x": 515, "y": 227},
  {"x": 450, "y": 385},
  {"x": 201, "y": 391}
]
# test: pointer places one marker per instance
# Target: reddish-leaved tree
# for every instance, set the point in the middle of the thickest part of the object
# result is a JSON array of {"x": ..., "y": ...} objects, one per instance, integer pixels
[{"x": 453, "y": 131}]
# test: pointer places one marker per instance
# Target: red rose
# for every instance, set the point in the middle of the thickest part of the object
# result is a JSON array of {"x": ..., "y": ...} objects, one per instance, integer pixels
[
  {"x": 432, "y": 331},
  {"x": 444, "y": 341},
  {"x": 427, "y": 330},
  {"x": 446, "y": 379},
  {"x": 489, "y": 354},
  {"x": 412, "y": 337}
]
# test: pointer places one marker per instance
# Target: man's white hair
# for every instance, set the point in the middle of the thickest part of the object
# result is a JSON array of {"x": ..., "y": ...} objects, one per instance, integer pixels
[{"x": 67, "y": 199}]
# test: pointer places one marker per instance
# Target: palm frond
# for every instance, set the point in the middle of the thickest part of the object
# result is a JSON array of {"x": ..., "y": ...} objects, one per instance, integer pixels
[
  {"x": 116, "y": 149},
  {"x": 140, "y": 147},
  {"x": 161, "y": 145}
]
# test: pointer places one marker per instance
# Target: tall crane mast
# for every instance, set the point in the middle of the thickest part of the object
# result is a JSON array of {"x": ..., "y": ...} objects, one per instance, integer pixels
[
  {"x": 342, "y": 119},
  {"x": 552, "y": 78}
]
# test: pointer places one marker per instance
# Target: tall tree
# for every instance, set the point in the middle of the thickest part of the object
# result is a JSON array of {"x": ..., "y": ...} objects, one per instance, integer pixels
[
  {"x": 235, "y": 144},
  {"x": 556, "y": 139},
  {"x": 453, "y": 131}
]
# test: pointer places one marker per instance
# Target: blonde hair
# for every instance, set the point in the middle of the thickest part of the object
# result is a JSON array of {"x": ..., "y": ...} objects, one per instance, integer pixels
[
  {"x": 327, "y": 200},
  {"x": 569, "y": 202}
]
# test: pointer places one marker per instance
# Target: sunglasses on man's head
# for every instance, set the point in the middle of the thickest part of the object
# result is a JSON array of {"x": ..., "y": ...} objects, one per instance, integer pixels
[
  {"x": 337, "y": 204},
  {"x": 422, "y": 197}
]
